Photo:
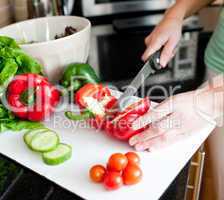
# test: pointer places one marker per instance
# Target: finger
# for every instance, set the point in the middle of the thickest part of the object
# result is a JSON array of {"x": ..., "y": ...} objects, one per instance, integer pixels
[
  {"x": 161, "y": 141},
  {"x": 165, "y": 132},
  {"x": 155, "y": 114},
  {"x": 165, "y": 140},
  {"x": 157, "y": 128},
  {"x": 148, "y": 134},
  {"x": 147, "y": 40},
  {"x": 152, "y": 47},
  {"x": 168, "y": 52}
]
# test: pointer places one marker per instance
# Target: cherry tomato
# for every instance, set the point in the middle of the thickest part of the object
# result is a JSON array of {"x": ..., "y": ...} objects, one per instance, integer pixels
[
  {"x": 132, "y": 174},
  {"x": 113, "y": 180},
  {"x": 133, "y": 158},
  {"x": 97, "y": 173},
  {"x": 117, "y": 162}
]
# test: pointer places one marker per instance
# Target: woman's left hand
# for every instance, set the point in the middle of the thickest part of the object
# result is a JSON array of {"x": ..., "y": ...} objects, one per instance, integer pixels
[{"x": 174, "y": 119}]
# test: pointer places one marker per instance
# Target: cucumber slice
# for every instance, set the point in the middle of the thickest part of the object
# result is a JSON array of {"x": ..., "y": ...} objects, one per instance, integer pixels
[
  {"x": 59, "y": 155},
  {"x": 44, "y": 141},
  {"x": 30, "y": 134}
]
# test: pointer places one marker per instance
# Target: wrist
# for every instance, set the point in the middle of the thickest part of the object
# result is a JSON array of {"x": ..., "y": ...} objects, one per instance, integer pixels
[
  {"x": 213, "y": 100},
  {"x": 177, "y": 12}
]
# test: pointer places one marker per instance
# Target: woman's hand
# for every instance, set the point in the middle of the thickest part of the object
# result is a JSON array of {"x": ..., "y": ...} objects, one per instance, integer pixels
[
  {"x": 167, "y": 35},
  {"x": 176, "y": 118}
]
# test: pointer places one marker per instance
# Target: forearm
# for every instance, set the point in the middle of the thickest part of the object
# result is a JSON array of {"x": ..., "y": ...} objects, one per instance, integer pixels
[
  {"x": 210, "y": 99},
  {"x": 217, "y": 88},
  {"x": 185, "y": 8}
]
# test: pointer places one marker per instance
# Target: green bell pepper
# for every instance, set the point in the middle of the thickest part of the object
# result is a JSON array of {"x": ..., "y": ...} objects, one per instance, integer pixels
[{"x": 77, "y": 75}]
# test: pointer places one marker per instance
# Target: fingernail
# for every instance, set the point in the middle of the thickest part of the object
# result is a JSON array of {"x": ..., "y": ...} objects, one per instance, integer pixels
[
  {"x": 145, "y": 56},
  {"x": 133, "y": 141},
  {"x": 163, "y": 63}
]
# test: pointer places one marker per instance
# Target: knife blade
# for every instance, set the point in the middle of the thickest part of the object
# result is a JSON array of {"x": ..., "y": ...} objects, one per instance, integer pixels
[{"x": 149, "y": 68}]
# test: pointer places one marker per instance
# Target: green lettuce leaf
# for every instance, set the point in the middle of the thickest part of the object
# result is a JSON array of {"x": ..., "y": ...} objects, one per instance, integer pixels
[
  {"x": 8, "y": 42},
  {"x": 27, "y": 64},
  {"x": 8, "y": 72},
  {"x": 9, "y": 122},
  {"x": 18, "y": 125},
  {"x": 14, "y": 60}
]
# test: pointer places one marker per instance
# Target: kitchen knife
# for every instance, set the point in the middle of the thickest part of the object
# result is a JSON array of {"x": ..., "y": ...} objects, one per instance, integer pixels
[{"x": 149, "y": 68}]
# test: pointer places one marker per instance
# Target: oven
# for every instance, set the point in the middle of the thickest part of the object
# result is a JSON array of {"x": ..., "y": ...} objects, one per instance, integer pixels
[{"x": 94, "y": 8}]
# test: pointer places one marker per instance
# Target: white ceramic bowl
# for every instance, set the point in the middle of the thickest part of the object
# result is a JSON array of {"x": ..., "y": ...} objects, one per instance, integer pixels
[{"x": 53, "y": 54}]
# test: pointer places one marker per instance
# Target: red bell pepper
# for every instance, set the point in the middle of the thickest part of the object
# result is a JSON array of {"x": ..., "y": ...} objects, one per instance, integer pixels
[
  {"x": 103, "y": 114},
  {"x": 121, "y": 125},
  {"x": 32, "y": 97},
  {"x": 97, "y": 91},
  {"x": 94, "y": 101}
]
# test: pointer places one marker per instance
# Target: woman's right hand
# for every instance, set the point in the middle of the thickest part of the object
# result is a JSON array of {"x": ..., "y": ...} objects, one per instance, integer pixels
[{"x": 167, "y": 34}]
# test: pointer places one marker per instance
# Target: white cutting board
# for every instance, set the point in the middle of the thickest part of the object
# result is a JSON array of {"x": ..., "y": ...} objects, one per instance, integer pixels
[{"x": 91, "y": 147}]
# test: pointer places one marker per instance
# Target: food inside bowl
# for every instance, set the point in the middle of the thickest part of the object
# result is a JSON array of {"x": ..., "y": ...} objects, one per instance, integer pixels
[
  {"x": 23, "y": 41},
  {"x": 69, "y": 30}
]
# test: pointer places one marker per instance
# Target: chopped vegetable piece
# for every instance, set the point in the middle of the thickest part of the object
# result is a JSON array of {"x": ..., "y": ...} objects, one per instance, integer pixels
[
  {"x": 28, "y": 136},
  {"x": 59, "y": 155},
  {"x": 95, "y": 101},
  {"x": 45, "y": 141},
  {"x": 77, "y": 117},
  {"x": 98, "y": 100}
]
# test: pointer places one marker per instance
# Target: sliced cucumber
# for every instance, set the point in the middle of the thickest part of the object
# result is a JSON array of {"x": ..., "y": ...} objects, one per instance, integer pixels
[
  {"x": 44, "y": 141},
  {"x": 30, "y": 134},
  {"x": 59, "y": 155}
]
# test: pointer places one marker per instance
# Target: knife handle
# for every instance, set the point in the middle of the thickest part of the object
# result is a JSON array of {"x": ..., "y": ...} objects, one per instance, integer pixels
[{"x": 154, "y": 60}]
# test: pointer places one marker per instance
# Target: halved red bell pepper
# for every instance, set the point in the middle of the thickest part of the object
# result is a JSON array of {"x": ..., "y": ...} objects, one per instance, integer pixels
[
  {"x": 32, "y": 97},
  {"x": 121, "y": 125},
  {"x": 96, "y": 91},
  {"x": 115, "y": 123},
  {"x": 94, "y": 101}
]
